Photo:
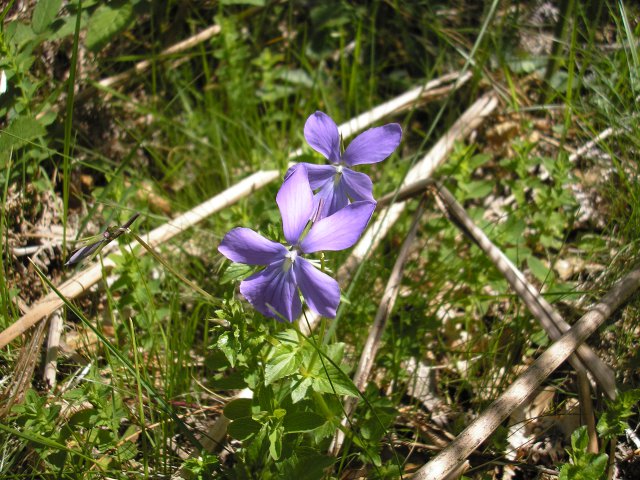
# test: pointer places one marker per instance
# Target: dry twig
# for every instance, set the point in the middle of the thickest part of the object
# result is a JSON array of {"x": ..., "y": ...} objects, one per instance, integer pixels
[{"x": 53, "y": 345}]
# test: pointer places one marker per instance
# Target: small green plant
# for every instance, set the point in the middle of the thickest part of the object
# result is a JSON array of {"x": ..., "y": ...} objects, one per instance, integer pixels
[
  {"x": 613, "y": 422},
  {"x": 584, "y": 465}
]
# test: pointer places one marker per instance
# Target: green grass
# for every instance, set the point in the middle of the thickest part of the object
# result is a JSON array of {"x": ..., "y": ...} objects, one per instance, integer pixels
[{"x": 150, "y": 351}]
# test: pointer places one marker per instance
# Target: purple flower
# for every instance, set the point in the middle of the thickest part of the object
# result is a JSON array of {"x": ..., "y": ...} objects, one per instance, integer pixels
[
  {"x": 337, "y": 184},
  {"x": 274, "y": 290}
]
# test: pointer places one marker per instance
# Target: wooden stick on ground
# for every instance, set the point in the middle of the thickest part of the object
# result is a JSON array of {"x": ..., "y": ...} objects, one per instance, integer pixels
[
  {"x": 82, "y": 281},
  {"x": 549, "y": 318},
  {"x": 370, "y": 240},
  {"x": 515, "y": 395},
  {"x": 607, "y": 132},
  {"x": 143, "y": 65},
  {"x": 53, "y": 345},
  {"x": 370, "y": 349}
]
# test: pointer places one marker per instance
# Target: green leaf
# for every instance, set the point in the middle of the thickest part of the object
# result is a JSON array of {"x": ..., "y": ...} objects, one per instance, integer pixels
[
  {"x": 227, "y": 343},
  {"x": 21, "y": 131},
  {"x": 43, "y": 14},
  {"x": 280, "y": 365},
  {"x": 238, "y": 408},
  {"x": 477, "y": 188},
  {"x": 107, "y": 21},
  {"x": 334, "y": 380},
  {"x": 305, "y": 463},
  {"x": 275, "y": 443},
  {"x": 243, "y": 428},
  {"x": 580, "y": 440},
  {"x": 297, "y": 422},
  {"x": 235, "y": 271},
  {"x": 300, "y": 389},
  {"x": 539, "y": 270},
  {"x": 614, "y": 420}
]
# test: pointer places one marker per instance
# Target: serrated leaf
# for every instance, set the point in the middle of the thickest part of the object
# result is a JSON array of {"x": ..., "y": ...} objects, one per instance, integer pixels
[
  {"x": 227, "y": 345},
  {"x": 333, "y": 380},
  {"x": 281, "y": 365},
  {"x": 107, "y": 21},
  {"x": 239, "y": 408},
  {"x": 43, "y": 14},
  {"x": 580, "y": 440},
  {"x": 21, "y": 131},
  {"x": 235, "y": 271},
  {"x": 243, "y": 428},
  {"x": 613, "y": 421},
  {"x": 298, "y": 422},
  {"x": 300, "y": 390}
]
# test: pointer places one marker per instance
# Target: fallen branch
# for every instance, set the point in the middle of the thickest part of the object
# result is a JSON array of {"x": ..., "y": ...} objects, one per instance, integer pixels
[
  {"x": 143, "y": 65},
  {"x": 516, "y": 394},
  {"x": 53, "y": 345},
  {"x": 549, "y": 318},
  {"x": 83, "y": 280},
  {"x": 592, "y": 143}
]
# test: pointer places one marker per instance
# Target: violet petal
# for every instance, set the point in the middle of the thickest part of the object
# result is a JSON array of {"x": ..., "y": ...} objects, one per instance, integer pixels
[
  {"x": 340, "y": 230},
  {"x": 374, "y": 145},
  {"x": 318, "y": 174},
  {"x": 357, "y": 185},
  {"x": 320, "y": 291},
  {"x": 329, "y": 199},
  {"x": 273, "y": 292},
  {"x": 243, "y": 245},
  {"x": 295, "y": 201},
  {"x": 321, "y": 133}
]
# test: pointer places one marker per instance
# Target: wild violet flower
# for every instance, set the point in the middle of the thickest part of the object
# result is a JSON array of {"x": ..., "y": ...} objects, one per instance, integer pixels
[
  {"x": 337, "y": 184},
  {"x": 274, "y": 290}
]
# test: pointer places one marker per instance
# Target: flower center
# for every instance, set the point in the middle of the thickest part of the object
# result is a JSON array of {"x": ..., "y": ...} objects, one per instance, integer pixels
[
  {"x": 338, "y": 174},
  {"x": 289, "y": 258}
]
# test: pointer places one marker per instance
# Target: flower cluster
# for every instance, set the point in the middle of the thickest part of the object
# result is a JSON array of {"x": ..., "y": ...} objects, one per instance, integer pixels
[{"x": 332, "y": 219}]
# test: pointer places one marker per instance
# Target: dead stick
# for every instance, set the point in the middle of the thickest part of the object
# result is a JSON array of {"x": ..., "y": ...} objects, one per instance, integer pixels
[
  {"x": 549, "y": 318},
  {"x": 372, "y": 344},
  {"x": 480, "y": 429},
  {"x": 143, "y": 65},
  {"x": 587, "y": 416},
  {"x": 53, "y": 345},
  {"x": 607, "y": 132}
]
